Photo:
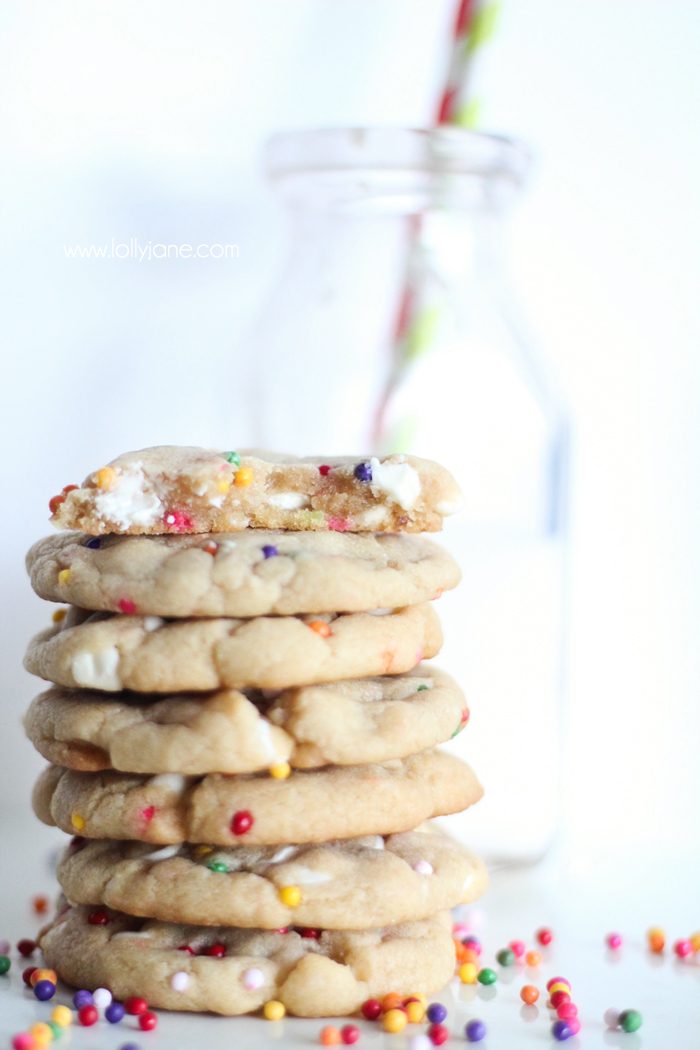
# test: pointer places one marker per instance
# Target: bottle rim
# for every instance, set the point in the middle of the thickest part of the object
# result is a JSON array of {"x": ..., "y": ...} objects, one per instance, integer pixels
[{"x": 444, "y": 150}]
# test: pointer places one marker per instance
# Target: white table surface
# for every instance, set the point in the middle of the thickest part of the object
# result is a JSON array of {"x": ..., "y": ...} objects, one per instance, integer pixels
[{"x": 580, "y": 900}]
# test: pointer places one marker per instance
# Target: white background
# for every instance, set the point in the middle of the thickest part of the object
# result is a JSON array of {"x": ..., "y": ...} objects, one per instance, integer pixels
[{"x": 146, "y": 119}]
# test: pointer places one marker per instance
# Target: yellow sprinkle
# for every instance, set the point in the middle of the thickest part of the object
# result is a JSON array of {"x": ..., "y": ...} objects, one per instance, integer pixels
[
  {"x": 467, "y": 973},
  {"x": 105, "y": 478},
  {"x": 695, "y": 941},
  {"x": 62, "y": 1016},
  {"x": 274, "y": 1010},
  {"x": 559, "y": 986},
  {"x": 77, "y": 821},
  {"x": 42, "y": 1034},
  {"x": 243, "y": 477},
  {"x": 64, "y": 576},
  {"x": 394, "y": 1021},
  {"x": 203, "y": 851},
  {"x": 223, "y": 485},
  {"x": 281, "y": 771},
  {"x": 58, "y": 615},
  {"x": 290, "y": 895},
  {"x": 415, "y": 1012}
]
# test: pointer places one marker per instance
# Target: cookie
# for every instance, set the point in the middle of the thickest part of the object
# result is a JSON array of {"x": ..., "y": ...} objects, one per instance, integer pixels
[
  {"x": 187, "y": 490},
  {"x": 150, "y": 655},
  {"x": 314, "y": 977},
  {"x": 350, "y": 722},
  {"x": 309, "y": 806},
  {"x": 355, "y": 883},
  {"x": 253, "y": 573}
]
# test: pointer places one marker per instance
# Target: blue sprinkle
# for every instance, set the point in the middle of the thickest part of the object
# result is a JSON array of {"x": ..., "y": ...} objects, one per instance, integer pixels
[
  {"x": 270, "y": 551},
  {"x": 363, "y": 472}
]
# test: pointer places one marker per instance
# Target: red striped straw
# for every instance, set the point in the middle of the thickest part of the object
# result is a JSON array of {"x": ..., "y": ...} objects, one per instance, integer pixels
[{"x": 472, "y": 24}]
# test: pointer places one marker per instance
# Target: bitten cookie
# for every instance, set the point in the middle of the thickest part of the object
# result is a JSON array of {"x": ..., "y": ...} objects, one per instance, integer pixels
[
  {"x": 185, "y": 490},
  {"x": 355, "y": 883},
  {"x": 240, "y": 574},
  {"x": 150, "y": 655},
  {"x": 309, "y": 806},
  {"x": 234, "y": 971},
  {"x": 351, "y": 722}
]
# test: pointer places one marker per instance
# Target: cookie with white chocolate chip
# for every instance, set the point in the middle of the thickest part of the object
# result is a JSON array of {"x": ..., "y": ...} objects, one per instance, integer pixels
[
  {"x": 180, "y": 489},
  {"x": 252, "y": 573},
  {"x": 350, "y": 722},
  {"x": 151, "y": 655},
  {"x": 334, "y": 802},
  {"x": 227, "y": 970},
  {"x": 355, "y": 883}
]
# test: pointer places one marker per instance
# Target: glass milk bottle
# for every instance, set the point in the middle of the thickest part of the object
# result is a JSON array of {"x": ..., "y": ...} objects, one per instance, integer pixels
[{"x": 391, "y": 328}]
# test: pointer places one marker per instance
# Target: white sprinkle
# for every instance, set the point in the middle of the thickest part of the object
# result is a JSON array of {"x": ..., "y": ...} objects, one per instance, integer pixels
[
  {"x": 162, "y": 854},
  {"x": 179, "y": 981},
  {"x": 97, "y": 670},
  {"x": 289, "y": 500},
  {"x": 253, "y": 979},
  {"x": 102, "y": 997},
  {"x": 423, "y": 867},
  {"x": 285, "y": 853},
  {"x": 399, "y": 481},
  {"x": 152, "y": 623}
]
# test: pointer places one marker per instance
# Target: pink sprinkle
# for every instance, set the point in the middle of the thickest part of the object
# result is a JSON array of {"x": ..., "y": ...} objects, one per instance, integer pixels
[
  {"x": 23, "y": 1041},
  {"x": 558, "y": 980},
  {"x": 574, "y": 1025},
  {"x": 127, "y": 606},
  {"x": 148, "y": 814},
  {"x": 683, "y": 948},
  {"x": 177, "y": 520},
  {"x": 460, "y": 929},
  {"x": 338, "y": 524},
  {"x": 614, "y": 941},
  {"x": 565, "y": 1011},
  {"x": 517, "y": 947}
]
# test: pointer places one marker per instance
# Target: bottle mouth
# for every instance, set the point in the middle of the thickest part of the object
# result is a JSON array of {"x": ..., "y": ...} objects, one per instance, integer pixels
[{"x": 347, "y": 167}]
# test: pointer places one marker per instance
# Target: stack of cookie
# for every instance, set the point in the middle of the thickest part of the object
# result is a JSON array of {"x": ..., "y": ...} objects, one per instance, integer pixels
[{"x": 242, "y": 732}]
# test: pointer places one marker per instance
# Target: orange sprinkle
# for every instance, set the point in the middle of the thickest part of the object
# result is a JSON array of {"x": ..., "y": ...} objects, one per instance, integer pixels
[
  {"x": 533, "y": 958},
  {"x": 320, "y": 627},
  {"x": 392, "y": 1001},
  {"x": 243, "y": 477},
  {"x": 330, "y": 1036}
]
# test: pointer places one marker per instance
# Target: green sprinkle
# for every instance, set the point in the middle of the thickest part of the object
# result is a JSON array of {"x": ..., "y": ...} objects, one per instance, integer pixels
[
  {"x": 56, "y": 1029},
  {"x": 506, "y": 957},
  {"x": 630, "y": 1020},
  {"x": 487, "y": 976},
  {"x": 232, "y": 457},
  {"x": 5, "y": 964},
  {"x": 217, "y": 865},
  {"x": 422, "y": 689}
]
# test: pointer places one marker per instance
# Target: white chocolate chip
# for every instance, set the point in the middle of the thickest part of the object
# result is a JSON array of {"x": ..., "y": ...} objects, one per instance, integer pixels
[
  {"x": 97, "y": 670},
  {"x": 399, "y": 481},
  {"x": 306, "y": 877},
  {"x": 128, "y": 502},
  {"x": 179, "y": 982},
  {"x": 163, "y": 854},
  {"x": 289, "y": 500},
  {"x": 174, "y": 782},
  {"x": 152, "y": 623}
]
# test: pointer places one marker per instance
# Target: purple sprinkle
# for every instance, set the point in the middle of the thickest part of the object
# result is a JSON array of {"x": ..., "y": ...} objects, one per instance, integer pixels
[
  {"x": 436, "y": 1013},
  {"x": 363, "y": 472},
  {"x": 130, "y": 1046},
  {"x": 114, "y": 1012},
  {"x": 44, "y": 990},
  {"x": 475, "y": 1031},
  {"x": 561, "y": 1031},
  {"x": 82, "y": 998},
  {"x": 270, "y": 551},
  {"x": 94, "y": 543}
]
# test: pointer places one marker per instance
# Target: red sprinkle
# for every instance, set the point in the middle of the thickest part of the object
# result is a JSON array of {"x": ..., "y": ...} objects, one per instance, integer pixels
[
  {"x": 349, "y": 1033},
  {"x": 310, "y": 933},
  {"x": 241, "y": 822},
  {"x": 177, "y": 520},
  {"x": 147, "y": 1021},
  {"x": 186, "y": 948},
  {"x": 559, "y": 997},
  {"x": 217, "y": 950},
  {"x": 324, "y": 470},
  {"x": 127, "y": 606},
  {"x": 88, "y": 1015},
  {"x": 438, "y": 1034},
  {"x": 77, "y": 842},
  {"x": 55, "y": 502},
  {"x": 26, "y": 947},
  {"x": 371, "y": 1009},
  {"x": 135, "y": 1005},
  {"x": 99, "y": 917},
  {"x": 148, "y": 814},
  {"x": 27, "y": 975},
  {"x": 544, "y": 936},
  {"x": 68, "y": 488}
]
